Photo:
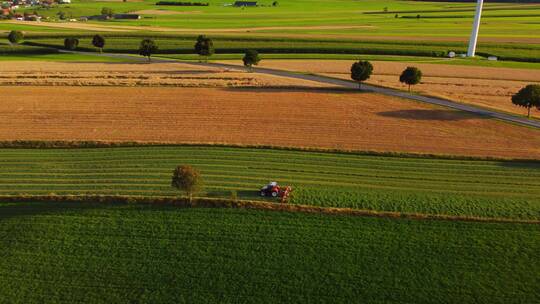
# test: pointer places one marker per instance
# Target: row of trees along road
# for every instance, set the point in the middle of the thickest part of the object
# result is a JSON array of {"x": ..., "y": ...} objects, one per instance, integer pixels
[
  {"x": 204, "y": 47},
  {"x": 528, "y": 97},
  {"x": 362, "y": 70}
]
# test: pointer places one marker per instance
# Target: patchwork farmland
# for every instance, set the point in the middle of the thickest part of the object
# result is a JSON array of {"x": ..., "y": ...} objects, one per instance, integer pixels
[{"x": 133, "y": 151}]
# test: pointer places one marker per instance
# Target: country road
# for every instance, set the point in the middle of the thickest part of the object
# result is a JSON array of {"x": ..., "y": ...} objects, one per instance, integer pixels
[{"x": 348, "y": 84}]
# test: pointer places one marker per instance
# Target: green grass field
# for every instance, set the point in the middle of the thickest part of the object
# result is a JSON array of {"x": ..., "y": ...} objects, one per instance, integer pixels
[
  {"x": 496, "y": 189},
  {"x": 328, "y": 28},
  {"x": 71, "y": 253},
  {"x": 183, "y": 44},
  {"x": 438, "y": 19}
]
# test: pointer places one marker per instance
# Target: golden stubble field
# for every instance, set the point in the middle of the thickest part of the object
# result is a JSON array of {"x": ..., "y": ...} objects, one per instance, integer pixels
[
  {"x": 33, "y": 73},
  {"x": 305, "y": 118},
  {"x": 482, "y": 86}
]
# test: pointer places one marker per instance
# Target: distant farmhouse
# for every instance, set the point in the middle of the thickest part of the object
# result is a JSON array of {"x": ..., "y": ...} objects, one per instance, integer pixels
[{"x": 245, "y": 3}]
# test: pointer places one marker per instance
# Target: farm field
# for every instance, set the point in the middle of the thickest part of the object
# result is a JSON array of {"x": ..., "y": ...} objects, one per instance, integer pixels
[
  {"x": 171, "y": 43},
  {"x": 394, "y": 200},
  {"x": 132, "y": 253},
  {"x": 122, "y": 72},
  {"x": 471, "y": 188},
  {"x": 367, "y": 18},
  {"x": 332, "y": 119},
  {"x": 482, "y": 86}
]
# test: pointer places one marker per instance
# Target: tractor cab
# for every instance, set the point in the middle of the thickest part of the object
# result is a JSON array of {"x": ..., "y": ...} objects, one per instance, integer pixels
[{"x": 272, "y": 189}]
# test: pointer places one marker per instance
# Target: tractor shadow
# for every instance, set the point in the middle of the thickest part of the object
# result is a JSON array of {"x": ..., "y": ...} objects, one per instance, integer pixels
[{"x": 439, "y": 115}]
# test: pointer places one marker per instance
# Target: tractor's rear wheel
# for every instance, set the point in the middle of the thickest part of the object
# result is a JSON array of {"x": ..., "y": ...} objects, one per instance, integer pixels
[{"x": 274, "y": 194}]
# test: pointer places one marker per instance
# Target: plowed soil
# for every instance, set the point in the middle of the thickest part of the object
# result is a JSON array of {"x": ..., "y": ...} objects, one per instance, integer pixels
[
  {"x": 324, "y": 119},
  {"x": 483, "y": 86}
]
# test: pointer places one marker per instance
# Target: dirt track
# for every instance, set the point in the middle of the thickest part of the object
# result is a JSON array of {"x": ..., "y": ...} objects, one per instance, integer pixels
[
  {"x": 358, "y": 121},
  {"x": 487, "y": 87}
]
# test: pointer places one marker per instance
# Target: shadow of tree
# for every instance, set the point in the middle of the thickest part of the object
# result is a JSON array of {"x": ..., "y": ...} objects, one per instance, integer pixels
[
  {"x": 533, "y": 165},
  {"x": 441, "y": 115},
  {"x": 14, "y": 209},
  {"x": 300, "y": 89}
]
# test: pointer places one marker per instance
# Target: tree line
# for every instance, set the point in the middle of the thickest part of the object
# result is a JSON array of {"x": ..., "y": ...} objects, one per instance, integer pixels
[
  {"x": 528, "y": 97},
  {"x": 204, "y": 47}
]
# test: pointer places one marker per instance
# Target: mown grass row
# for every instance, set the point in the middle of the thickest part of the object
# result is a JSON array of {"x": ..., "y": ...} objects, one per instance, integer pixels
[
  {"x": 68, "y": 253},
  {"x": 506, "y": 189}
]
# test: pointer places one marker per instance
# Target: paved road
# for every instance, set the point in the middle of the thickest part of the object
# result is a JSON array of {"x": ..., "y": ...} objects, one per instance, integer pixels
[{"x": 351, "y": 84}]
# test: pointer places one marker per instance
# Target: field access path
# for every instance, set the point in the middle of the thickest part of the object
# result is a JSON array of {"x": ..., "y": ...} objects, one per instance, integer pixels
[{"x": 349, "y": 84}]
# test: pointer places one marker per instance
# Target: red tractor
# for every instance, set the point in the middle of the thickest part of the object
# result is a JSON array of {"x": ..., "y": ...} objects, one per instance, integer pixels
[{"x": 275, "y": 190}]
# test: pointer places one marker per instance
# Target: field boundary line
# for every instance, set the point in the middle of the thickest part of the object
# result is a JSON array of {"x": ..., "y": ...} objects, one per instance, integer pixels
[
  {"x": 64, "y": 144},
  {"x": 207, "y": 202}
]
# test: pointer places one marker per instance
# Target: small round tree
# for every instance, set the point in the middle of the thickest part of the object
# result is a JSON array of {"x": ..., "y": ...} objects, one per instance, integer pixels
[
  {"x": 106, "y": 11},
  {"x": 61, "y": 15},
  {"x": 188, "y": 179},
  {"x": 411, "y": 76},
  {"x": 204, "y": 47},
  {"x": 251, "y": 58},
  {"x": 147, "y": 48},
  {"x": 361, "y": 71},
  {"x": 71, "y": 43},
  {"x": 528, "y": 97},
  {"x": 15, "y": 36},
  {"x": 99, "y": 42}
]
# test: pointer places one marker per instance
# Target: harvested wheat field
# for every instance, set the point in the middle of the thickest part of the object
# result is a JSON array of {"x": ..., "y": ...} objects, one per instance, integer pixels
[
  {"x": 322, "y": 119},
  {"x": 483, "y": 86},
  {"x": 20, "y": 73}
]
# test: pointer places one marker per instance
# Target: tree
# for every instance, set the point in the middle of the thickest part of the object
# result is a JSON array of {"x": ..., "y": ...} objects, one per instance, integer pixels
[
  {"x": 61, "y": 15},
  {"x": 188, "y": 179},
  {"x": 251, "y": 58},
  {"x": 147, "y": 48},
  {"x": 107, "y": 11},
  {"x": 528, "y": 97},
  {"x": 99, "y": 42},
  {"x": 411, "y": 76},
  {"x": 71, "y": 43},
  {"x": 361, "y": 71},
  {"x": 275, "y": 3},
  {"x": 204, "y": 46},
  {"x": 15, "y": 36}
]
